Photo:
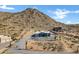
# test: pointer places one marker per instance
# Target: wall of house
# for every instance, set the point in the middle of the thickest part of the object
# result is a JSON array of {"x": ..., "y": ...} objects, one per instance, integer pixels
[{"x": 4, "y": 39}]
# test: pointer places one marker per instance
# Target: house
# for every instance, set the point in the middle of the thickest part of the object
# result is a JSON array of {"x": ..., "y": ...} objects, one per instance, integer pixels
[
  {"x": 4, "y": 39},
  {"x": 57, "y": 29},
  {"x": 41, "y": 34}
]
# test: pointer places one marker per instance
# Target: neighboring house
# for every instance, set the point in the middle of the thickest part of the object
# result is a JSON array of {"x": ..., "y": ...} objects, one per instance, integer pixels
[
  {"x": 4, "y": 39},
  {"x": 57, "y": 29}
]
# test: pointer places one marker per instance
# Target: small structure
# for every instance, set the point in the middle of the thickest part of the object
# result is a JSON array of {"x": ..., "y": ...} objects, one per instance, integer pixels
[
  {"x": 4, "y": 39},
  {"x": 57, "y": 29}
]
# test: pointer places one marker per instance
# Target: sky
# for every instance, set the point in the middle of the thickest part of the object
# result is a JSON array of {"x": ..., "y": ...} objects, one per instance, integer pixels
[{"x": 68, "y": 14}]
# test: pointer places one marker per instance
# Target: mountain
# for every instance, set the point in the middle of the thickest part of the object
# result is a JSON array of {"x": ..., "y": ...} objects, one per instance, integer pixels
[{"x": 29, "y": 19}]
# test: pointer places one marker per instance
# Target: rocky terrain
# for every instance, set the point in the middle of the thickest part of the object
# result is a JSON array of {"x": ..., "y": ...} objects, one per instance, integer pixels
[
  {"x": 15, "y": 23},
  {"x": 74, "y": 27},
  {"x": 22, "y": 24}
]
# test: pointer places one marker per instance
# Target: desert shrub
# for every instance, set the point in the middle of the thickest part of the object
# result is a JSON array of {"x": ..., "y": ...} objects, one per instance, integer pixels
[
  {"x": 13, "y": 36},
  {"x": 32, "y": 27}
]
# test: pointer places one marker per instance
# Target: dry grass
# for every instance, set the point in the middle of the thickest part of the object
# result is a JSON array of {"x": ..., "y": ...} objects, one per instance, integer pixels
[{"x": 44, "y": 45}]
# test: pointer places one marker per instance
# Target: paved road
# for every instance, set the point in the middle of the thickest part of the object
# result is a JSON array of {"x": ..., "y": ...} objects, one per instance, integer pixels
[
  {"x": 16, "y": 51},
  {"x": 22, "y": 42}
]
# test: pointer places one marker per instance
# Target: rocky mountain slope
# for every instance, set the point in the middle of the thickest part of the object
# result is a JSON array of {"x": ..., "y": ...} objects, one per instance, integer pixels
[{"x": 15, "y": 23}]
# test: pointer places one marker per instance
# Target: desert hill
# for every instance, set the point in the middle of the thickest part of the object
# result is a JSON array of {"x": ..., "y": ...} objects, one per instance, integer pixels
[{"x": 15, "y": 23}]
